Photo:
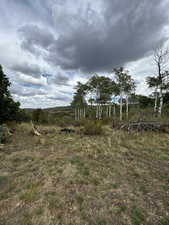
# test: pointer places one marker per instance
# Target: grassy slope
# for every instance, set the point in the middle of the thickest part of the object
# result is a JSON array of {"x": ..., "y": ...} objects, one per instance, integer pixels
[{"x": 117, "y": 178}]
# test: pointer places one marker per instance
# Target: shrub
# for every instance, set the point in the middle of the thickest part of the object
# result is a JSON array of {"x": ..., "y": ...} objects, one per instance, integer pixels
[
  {"x": 40, "y": 116},
  {"x": 93, "y": 128},
  {"x": 79, "y": 123}
]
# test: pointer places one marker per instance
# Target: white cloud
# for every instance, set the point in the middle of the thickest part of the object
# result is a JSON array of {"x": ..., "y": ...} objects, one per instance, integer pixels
[{"x": 42, "y": 81}]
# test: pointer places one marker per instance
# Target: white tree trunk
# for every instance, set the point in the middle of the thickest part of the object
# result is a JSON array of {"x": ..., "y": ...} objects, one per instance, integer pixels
[
  {"x": 161, "y": 102},
  {"x": 109, "y": 111},
  {"x": 81, "y": 113},
  {"x": 75, "y": 114},
  {"x": 97, "y": 111},
  {"x": 78, "y": 114},
  {"x": 155, "y": 102},
  {"x": 114, "y": 111},
  {"x": 121, "y": 107},
  {"x": 127, "y": 107},
  {"x": 84, "y": 113},
  {"x": 101, "y": 111}
]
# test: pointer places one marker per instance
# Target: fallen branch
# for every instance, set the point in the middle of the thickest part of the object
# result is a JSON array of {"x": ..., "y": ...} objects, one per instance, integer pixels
[
  {"x": 34, "y": 130},
  {"x": 145, "y": 126}
]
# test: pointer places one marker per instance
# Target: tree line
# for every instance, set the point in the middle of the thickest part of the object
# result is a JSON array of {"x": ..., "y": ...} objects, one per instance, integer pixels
[{"x": 103, "y": 90}]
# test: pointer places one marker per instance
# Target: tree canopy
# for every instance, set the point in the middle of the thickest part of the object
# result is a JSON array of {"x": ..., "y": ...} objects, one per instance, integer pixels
[{"x": 9, "y": 109}]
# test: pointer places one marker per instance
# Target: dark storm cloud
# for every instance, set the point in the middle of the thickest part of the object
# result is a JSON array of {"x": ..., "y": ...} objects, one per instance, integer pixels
[
  {"x": 129, "y": 33},
  {"x": 98, "y": 40},
  {"x": 60, "y": 79},
  {"x": 34, "y": 37}
]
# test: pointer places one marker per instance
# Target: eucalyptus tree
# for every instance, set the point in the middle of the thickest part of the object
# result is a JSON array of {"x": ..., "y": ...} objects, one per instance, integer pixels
[{"x": 125, "y": 85}]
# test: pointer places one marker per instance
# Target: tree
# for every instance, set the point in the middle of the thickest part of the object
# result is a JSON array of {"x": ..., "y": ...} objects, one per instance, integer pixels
[
  {"x": 153, "y": 82},
  {"x": 160, "y": 58},
  {"x": 125, "y": 85},
  {"x": 102, "y": 87},
  {"x": 8, "y": 108},
  {"x": 144, "y": 101},
  {"x": 91, "y": 101},
  {"x": 36, "y": 115},
  {"x": 4, "y": 85},
  {"x": 79, "y": 102}
]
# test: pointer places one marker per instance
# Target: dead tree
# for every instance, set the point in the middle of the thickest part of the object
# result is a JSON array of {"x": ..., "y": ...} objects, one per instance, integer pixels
[{"x": 160, "y": 59}]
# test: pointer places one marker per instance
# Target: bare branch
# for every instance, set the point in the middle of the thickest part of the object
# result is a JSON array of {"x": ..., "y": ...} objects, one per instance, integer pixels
[{"x": 161, "y": 55}]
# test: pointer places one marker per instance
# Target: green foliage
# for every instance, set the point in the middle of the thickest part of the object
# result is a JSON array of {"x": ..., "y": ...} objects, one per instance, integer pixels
[
  {"x": 145, "y": 101},
  {"x": 36, "y": 115},
  {"x": 93, "y": 128},
  {"x": 8, "y": 108},
  {"x": 166, "y": 109},
  {"x": 103, "y": 87},
  {"x": 165, "y": 221},
  {"x": 125, "y": 83},
  {"x": 166, "y": 98},
  {"x": 40, "y": 116},
  {"x": 4, "y": 84},
  {"x": 138, "y": 216},
  {"x": 79, "y": 96},
  {"x": 79, "y": 123},
  {"x": 23, "y": 116}
]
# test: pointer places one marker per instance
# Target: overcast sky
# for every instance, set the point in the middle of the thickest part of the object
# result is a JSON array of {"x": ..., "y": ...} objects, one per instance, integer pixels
[{"x": 46, "y": 46}]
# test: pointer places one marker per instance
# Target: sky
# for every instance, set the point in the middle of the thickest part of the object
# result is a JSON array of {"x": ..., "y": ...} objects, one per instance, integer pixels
[{"x": 46, "y": 46}]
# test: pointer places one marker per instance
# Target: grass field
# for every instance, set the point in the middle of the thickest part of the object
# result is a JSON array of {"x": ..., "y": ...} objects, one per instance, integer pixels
[{"x": 73, "y": 179}]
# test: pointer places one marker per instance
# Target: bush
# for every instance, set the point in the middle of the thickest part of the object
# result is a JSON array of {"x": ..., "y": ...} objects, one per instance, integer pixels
[
  {"x": 40, "y": 116},
  {"x": 93, "y": 128},
  {"x": 79, "y": 123}
]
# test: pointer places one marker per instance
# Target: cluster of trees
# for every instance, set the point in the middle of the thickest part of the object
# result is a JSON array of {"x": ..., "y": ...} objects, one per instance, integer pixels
[
  {"x": 122, "y": 86},
  {"x": 103, "y": 89}
]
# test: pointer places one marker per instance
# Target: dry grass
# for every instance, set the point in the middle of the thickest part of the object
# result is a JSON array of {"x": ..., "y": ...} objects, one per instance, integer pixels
[{"x": 114, "y": 179}]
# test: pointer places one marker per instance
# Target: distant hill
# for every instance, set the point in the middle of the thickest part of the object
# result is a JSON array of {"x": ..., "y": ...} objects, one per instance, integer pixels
[
  {"x": 52, "y": 110},
  {"x": 29, "y": 109}
]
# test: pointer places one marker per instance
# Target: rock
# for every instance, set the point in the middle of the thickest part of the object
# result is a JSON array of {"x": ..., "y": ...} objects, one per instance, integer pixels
[{"x": 67, "y": 130}]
